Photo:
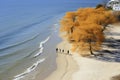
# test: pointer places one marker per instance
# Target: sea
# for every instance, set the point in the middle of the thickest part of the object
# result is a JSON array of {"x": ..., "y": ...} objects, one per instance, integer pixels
[{"x": 29, "y": 34}]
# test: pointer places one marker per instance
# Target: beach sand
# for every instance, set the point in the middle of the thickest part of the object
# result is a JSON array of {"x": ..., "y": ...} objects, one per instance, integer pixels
[
  {"x": 76, "y": 67},
  {"x": 90, "y": 69},
  {"x": 66, "y": 66}
]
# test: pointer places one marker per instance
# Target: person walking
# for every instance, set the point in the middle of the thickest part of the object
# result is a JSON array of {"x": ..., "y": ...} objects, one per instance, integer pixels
[
  {"x": 56, "y": 49},
  {"x": 63, "y": 51},
  {"x": 68, "y": 51}
]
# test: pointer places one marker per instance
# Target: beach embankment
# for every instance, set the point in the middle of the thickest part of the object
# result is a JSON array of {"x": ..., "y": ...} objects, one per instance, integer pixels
[{"x": 76, "y": 67}]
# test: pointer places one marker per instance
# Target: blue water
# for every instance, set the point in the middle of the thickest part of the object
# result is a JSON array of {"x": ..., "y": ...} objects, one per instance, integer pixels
[{"x": 25, "y": 26}]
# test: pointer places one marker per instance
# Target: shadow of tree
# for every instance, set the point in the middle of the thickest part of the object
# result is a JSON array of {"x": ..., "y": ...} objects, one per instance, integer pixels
[
  {"x": 114, "y": 34},
  {"x": 111, "y": 53},
  {"x": 115, "y": 77}
]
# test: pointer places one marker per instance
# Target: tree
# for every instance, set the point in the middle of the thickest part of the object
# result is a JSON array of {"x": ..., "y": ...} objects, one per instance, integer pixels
[
  {"x": 117, "y": 15},
  {"x": 91, "y": 36},
  {"x": 84, "y": 28},
  {"x": 99, "y": 6},
  {"x": 68, "y": 23}
]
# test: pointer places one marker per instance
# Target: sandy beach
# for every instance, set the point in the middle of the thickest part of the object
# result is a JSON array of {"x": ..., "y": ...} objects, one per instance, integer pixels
[
  {"x": 66, "y": 66},
  {"x": 76, "y": 67}
]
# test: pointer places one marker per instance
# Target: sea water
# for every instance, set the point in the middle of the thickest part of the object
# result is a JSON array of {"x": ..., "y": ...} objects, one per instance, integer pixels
[{"x": 25, "y": 26}]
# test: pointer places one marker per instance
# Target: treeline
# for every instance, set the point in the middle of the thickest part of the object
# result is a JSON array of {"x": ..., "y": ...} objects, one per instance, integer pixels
[{"x": 84, "y": 27}]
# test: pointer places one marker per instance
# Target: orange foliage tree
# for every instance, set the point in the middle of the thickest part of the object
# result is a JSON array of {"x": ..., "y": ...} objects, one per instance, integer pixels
[
  {"x": 88, "y": 37},
  {"x": 84, "y": 28}
]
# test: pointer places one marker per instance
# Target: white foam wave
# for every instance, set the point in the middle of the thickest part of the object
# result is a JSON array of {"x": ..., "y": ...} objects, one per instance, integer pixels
[
  {"x": 56, "y": 24},
  {"x": 31, "y": 68},
  {"x": 55, "y": 27},
  {"x": 41, "y": 46}
]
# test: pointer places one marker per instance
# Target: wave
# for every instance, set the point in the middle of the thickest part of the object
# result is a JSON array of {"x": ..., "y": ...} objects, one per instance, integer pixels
[
  {"x": 41, "y": 46},
  {"x": 28, "y": 70},
  {"x": 20, "y": 30},
  {"x": 19, "y": 43},
  {"x": 25, "y": 27},
  {"x": 55, "y": 27},
  {"x": 31, "y": 68}
]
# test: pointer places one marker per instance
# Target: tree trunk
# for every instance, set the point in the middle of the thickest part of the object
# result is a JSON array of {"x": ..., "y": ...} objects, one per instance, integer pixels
[
  {"x": 104, "y": 27},
  {"x": 72, "y": 29},
  {"x": 90, "y": 48}
]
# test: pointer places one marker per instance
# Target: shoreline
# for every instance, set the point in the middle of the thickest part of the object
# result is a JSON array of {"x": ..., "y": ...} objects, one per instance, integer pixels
[
  {"x": 51, "y": 61},
  {"x": 44, "y": 69}
]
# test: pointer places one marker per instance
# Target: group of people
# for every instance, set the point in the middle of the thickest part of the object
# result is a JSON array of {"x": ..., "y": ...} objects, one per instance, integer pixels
[{"x": 62, "y": 51}]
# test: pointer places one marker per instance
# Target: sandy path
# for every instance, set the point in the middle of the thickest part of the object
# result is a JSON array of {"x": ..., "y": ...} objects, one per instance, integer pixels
[{"x": 65, "y": 68}]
